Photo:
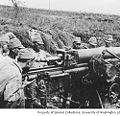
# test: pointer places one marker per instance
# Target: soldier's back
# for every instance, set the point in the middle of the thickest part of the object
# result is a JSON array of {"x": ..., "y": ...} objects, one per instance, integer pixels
[{"x": 10, "y": 83}]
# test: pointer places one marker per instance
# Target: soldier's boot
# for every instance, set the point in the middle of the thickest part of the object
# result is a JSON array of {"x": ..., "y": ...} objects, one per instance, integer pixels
[
  {"x": 37, "y": 104},
  {"x": 44, "y": 102},
  {"x": 29, "y": 103}
]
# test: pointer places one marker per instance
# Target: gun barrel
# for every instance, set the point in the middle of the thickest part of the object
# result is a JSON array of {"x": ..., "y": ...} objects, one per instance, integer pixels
[
  {"x": 40, "y": 68},
  {"x": 53, "y": 69},
  {"x": 53, "y": 58},
  {"x": 45, "y": 70},
  {"x": 58, "y": 73},
  {"x": 84, "y": 55},
  {"x": 80, "y": 69}
]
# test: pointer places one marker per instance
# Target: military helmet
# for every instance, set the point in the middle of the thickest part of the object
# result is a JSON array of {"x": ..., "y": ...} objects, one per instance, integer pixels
[
  {"x": 109, "y": 39},
  {"x": 10, "y": 35},
  {"x": 26, "y": 58},
  {"x": 93, "y": 41},
  {"x": 15, "y": 43},
  {"x": 7, "y": 37},
  {"x": 77, "y": 39},
  {"x": 36, "y": 37},
  {"x": 38, "y": 40}
]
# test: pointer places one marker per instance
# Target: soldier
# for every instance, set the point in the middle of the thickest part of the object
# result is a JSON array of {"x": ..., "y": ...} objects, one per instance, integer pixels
[
  {"x": 38, "y": 47},
  {"x": 92, "y": 42},
  {"x": 12, "y": 94},
  {"x": 41, "y": 55},
  {"x": 33, "y": 33},
  {"x": 14, "y": 47},
  {"x": 75, "y": 88},
  {"x": 39, "y": 61},
  {"x": 6, "y": 37},
  {"x": 26, "y": 59},
  {"x": 77, "y": 44},
  {"x": 77, "y": 94},
  {"x": 108, "y": 40}
]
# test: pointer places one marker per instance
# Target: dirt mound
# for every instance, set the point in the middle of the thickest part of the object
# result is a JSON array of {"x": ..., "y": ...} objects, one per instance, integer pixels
[{"x": 53, "y": 39}]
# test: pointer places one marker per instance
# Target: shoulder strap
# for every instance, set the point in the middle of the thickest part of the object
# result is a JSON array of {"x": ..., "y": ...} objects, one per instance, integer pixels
[{"x": 17, "y": 66}]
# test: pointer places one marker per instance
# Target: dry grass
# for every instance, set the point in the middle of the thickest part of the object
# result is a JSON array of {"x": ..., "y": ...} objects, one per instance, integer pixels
[{"x": 59, "y": 26}]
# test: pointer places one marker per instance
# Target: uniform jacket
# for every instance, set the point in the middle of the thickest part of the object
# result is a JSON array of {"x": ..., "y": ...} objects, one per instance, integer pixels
[
  {"x": 39, "y": 56},
  {"x": 10, "y": 82}
]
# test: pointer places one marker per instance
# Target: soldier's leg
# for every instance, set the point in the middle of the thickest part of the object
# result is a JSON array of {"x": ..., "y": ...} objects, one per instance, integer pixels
[
  {"x": 74, "y": 90},
  {"x": 42, "y": 92},
  {"x": 31, "y": 94},
  {"x": 66, "y": 84}
]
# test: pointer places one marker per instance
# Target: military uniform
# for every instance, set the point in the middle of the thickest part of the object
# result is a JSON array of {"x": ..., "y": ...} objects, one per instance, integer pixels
[
  {"x": 108, "y": 40},
  {"x": 78, "y": 44},
  {"x": 39, "y": 56},
  {"x": 10, "y": 41},
  {"x": 92, "y": 42},
  {"x": 36, "y": 91},
  {"x": 40, "y": 61},
  {"x": 34, "y": 35},
  {"x": 11, "y": 90},
  {"x": 7, "y": 37},
  {"x": 13, "y": 95}
]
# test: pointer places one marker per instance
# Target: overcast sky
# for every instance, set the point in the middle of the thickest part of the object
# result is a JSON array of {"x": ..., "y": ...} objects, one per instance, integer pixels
[{"x": 95, "y": 6}]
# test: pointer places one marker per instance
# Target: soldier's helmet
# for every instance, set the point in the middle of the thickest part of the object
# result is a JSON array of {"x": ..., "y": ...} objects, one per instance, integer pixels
[
  {"x": 7, "y": 37},
  {"x": 38, "y": 40},
  {"x": 26, "y": 55},
  {"x": 36, "y": 37},
  {"x": 77, "y": 40},
  {"x": 93, "y": 41},
  {"x": 109, "y": 39},
  {"x": 15, "y": 43}
]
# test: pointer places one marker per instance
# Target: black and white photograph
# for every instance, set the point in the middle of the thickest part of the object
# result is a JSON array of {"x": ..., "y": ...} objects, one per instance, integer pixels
[{"x": 59, "y": 54}]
